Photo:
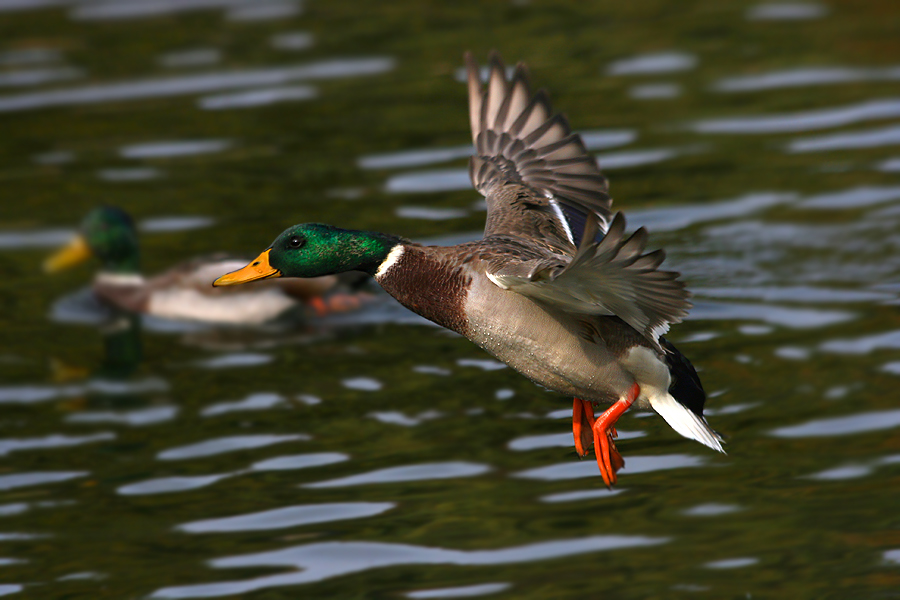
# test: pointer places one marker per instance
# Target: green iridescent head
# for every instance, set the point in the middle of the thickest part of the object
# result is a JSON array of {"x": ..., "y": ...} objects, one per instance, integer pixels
[
  {"x": 107, "y": 233},
  {"x": 314, "y": 250}
]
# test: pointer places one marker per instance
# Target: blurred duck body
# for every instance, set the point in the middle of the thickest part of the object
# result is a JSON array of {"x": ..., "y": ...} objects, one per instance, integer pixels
[{"x": 185, "y": 291}]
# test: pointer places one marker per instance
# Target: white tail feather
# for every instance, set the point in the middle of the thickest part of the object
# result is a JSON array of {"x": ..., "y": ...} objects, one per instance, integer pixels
[{"x": 685, "y": 422}]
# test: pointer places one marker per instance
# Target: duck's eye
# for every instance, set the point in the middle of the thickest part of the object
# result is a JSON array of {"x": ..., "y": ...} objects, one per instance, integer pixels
[{"x": 295, "y": 242}]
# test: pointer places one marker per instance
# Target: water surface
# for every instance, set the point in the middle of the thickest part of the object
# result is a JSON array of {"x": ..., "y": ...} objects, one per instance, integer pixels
[{"x": 372, "y": 455}]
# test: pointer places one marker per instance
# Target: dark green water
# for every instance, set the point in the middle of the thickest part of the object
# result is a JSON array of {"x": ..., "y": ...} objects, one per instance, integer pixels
[{"x": 379, "y": 457}]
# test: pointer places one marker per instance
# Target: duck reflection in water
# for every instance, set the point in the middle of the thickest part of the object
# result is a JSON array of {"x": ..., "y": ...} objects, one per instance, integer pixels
[{"x": 555, "y": 289}]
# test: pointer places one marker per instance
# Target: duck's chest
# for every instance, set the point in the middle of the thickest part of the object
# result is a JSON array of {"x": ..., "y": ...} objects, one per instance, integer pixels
[{"x": 427, "y": 283}]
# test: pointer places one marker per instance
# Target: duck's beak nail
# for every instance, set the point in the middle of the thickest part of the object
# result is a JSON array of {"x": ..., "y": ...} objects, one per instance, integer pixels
[
  {"x": 257, "y": 269},
  {"x": 73, "y": 253}
]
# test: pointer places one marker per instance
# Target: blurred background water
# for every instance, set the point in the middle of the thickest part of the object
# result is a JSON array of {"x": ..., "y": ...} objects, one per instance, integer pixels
[{"x": 371, "y": 455}]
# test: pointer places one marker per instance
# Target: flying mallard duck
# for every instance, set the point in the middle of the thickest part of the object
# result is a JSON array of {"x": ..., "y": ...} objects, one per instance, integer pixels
[
  {"x": 183, "y": 292},
  {"x": 555, "y": 289}
]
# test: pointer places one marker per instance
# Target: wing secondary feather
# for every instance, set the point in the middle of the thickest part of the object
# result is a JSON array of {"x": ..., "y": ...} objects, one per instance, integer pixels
[{"x": 612, "y": 276}]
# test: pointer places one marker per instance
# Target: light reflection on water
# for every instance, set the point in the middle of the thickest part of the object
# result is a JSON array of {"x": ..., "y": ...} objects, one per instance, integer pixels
[
  {"x": 200, "y": 83},
  {"x": 805, "y": 77},
  {"x": 169, "y": 485},
  {"x": 468, "y": 591},
  {"x": 653, "y": 64},
  {"x": 423, "y": 472},
  {"x": 289, "y": 516},
  {"x": 319, "y": 561},
  {"x": 802, "y": 121},
  {"x": 633, "y": 465}
]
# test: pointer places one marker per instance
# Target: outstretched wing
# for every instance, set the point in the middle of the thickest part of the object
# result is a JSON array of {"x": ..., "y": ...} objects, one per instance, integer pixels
[
  {"x": 536, "y": 175},
  {"x": 548, "y": 210},
  {"x": 611, "y": 276}
]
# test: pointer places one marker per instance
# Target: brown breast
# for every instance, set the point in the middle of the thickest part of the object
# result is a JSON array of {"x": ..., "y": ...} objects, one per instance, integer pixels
[{"x": 431, "y": 282}]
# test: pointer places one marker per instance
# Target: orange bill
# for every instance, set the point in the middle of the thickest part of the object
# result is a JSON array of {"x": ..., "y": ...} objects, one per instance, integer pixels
[
  {"x": 258, "y": 269},
  {"x": 73, "y": 253}
]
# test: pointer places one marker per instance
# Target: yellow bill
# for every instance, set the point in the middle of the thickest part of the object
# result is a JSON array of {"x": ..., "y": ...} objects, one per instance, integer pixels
[
  {"x": 73, "y": 253},
  {"x": 258, "y": 269}
]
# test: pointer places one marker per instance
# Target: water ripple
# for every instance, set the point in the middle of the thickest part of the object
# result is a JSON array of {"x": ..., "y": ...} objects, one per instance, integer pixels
[
  {"x": 795, "y": 318},
  {"x": 655, "y": 91},
  {"x": 732, "y": 563},
  {"x": 52, "y": 441},
  {"x": 362, "y": 384},
  {"x": 848, "y": 425},
  {"x": 633, "y": 465},
  {"x": 325, "y": 560},
  {"x": 18, "y": 480},
  {"x": 803, "y": 120},
  {"x": 34, "y": 77},
  {"x": 466, "y": 591},
  {"x": 558, "y": 440},
  {"x": 135, "y": 418},
  {"x": 805, "y": 77},
  {"x": 168, "y": 485},
  {"x": 891, "y": 165},
  {"x": 869, "y": 138},
  {"x": 259, "y": 97},
  {"x": 299, "y": 461},
  {"x": 174, "y": 148},
  {"x": 422, "y": 472},
  {"x": 854, "y": 197},
  {"x": 485, "y": 364},
  {"x": 395, "y": 417},
  {"x": 41, "y": 238},
  {"x": 650, "y": 64},
  {"x": 414, "y": 158},
  {"x": 786, "y": 11},
  {"x": 864, "y": 344},
  {"x": 195, "y": 57},
  {"x": 794, "y": 293},
  {"x": 118, "y": 175},
  {"x": 195, "y": 84},
  {"x": 139, "y": 9},
  {"x": 29, "y": 394},
  {"x": 239, "y": 359},
  {"x": 289, "y": 516},
  {"x": 711, "y": 509},
  {"x": 29, "y": 56},
  {"x": 265, "y": 11},
  {"x": 255, "y": 401},
  {"x": 580, "y": 495},
  {"x": 227, "y": 444},
  {"x": 430, "y": 213},
  {"x": 292, "y": 41},
  {"x": 674, "y": 218}
]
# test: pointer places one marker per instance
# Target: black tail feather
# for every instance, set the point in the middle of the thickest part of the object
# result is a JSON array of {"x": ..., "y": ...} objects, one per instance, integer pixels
[{"x": 685, "y": 387}]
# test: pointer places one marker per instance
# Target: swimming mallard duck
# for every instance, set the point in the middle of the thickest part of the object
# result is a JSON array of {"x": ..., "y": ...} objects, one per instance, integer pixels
[
  {"x": 183, "y": 292},
  {"x": 555, "y": 289}
]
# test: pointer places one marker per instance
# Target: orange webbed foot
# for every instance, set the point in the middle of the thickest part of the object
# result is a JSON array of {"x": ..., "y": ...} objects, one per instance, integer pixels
[
  {"x": 582, "y": 423},
  {"x": 604, "y": 429},
  {"x": 608, "y": 457}
]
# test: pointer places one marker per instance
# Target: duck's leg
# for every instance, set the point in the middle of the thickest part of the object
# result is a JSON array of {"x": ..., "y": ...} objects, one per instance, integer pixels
[
  {"x": 335, "y": 303},
  {"x": 582, "y": 421},
  {"x": 608, "y": 458}
]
